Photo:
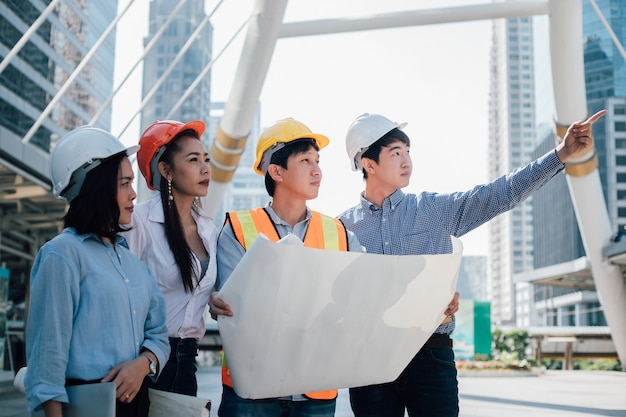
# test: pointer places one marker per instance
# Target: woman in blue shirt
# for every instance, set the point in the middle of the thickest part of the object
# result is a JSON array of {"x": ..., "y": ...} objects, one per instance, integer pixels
[{"x": 95, "y": 314}]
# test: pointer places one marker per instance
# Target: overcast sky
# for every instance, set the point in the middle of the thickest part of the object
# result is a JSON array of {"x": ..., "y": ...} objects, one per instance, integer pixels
[{"x": 433, "y": 77}]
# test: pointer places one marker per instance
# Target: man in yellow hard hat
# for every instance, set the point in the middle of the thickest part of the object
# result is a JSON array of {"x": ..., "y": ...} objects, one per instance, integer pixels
[{"x": 287, "y": 156}]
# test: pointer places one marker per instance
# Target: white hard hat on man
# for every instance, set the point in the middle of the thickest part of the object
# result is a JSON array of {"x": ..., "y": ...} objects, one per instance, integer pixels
[{"x": 363, "y": 132}]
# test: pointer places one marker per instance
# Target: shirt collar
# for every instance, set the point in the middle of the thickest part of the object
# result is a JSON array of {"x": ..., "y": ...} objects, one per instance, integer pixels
[
  {"x": 85, "y": 236},
  {"x": 278, "y": 220},
  {"x": 392, "y": 201},
  {"x": 156, "y": 210}
]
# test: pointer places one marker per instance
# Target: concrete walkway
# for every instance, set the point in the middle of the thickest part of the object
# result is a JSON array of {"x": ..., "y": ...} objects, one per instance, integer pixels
[{"x": 553, "y": 394}]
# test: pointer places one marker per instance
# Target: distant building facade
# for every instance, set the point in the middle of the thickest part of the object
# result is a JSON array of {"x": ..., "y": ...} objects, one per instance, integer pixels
[
  {"x": 511, "y": 142},
  {"x": 45, "y": 63},
  {"x": 178, "y": 78}
]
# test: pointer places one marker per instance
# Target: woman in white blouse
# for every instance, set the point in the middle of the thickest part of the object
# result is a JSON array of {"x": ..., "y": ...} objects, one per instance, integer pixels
[{"x": 176, "y": 238}]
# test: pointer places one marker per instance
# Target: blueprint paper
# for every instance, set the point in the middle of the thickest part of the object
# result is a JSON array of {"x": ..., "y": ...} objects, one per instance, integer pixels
[{"x": 312, "y": 320}]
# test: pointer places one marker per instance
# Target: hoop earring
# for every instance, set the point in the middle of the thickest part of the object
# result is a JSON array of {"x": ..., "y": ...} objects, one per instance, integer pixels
[{"x": 170, "y": 197}]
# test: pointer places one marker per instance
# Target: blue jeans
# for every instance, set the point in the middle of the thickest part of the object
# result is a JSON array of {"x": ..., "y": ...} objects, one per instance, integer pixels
[
  {"x": 233, "y": 405},
  {"x": 179, "y": 373},
  {"x": 426, "y": 388}
]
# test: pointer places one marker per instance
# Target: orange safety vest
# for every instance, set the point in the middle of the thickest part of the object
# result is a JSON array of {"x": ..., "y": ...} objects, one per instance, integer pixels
[{"x": 324, "y": 232}]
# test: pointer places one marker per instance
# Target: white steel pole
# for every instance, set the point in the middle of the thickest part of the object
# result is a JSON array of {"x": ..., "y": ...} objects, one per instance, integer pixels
[
  {"x": 507, "y": 10},
  {"x": 583, "y": 179},
  {"x": 234, "y": 128}
]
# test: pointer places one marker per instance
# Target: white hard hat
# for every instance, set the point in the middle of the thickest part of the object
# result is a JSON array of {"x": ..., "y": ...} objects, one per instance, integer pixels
[
  {"x": 363, "y": 132},
  {"x": 78, "y": 152}
]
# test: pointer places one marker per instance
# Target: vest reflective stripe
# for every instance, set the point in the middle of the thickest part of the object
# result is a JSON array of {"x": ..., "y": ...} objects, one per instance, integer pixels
[
  {"x": 248, "y": 224},
  {"x": 324, "y": 232}
]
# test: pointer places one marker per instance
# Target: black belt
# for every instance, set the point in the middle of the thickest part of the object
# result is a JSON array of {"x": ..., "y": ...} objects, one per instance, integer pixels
[
  {"x": 187, "y": 341},
  {"x": 438, "y": 341}
]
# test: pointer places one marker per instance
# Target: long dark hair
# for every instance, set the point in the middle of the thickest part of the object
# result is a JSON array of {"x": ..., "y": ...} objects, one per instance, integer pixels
[
  {"x": 173, "y": 227},
  {"x": 95, "y": 209}
]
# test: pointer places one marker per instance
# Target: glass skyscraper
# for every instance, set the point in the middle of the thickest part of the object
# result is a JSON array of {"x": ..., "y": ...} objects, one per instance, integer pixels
[{"x": 43, "y": 65}]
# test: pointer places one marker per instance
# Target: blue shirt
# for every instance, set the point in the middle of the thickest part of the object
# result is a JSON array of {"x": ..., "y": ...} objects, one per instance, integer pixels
[
  {"x": 92, "y": 307},
  {"x": 409, "y": 224}
]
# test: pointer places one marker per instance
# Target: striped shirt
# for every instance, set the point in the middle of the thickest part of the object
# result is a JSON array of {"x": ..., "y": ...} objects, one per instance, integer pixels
[{"x": 410, "y": 224}]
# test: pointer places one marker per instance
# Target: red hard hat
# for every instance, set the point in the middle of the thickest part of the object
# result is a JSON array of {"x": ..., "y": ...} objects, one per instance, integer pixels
[{"x": 152, "y": 145}]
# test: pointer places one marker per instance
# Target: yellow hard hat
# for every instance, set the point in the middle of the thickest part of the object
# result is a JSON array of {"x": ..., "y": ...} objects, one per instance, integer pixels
[{"x": 276, "y": 136}]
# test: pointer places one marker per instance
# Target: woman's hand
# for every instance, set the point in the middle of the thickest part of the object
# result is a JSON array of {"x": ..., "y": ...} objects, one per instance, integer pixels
[{"x": 128, "y": 378}]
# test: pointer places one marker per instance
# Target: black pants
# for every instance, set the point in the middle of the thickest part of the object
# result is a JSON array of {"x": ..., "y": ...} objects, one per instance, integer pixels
[{"x": 179, "y": 373}]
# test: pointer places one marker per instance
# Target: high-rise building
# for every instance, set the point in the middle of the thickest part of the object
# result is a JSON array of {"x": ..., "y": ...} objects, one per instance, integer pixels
[
  {"x": 247, "y": 188},
  {"x": 165, "y": 81},
  {"x": 605, "y": 79},
  {"x": 511, "y": 142}
]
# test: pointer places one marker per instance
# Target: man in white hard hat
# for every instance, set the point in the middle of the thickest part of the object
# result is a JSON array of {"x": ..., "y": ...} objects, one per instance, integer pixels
[
  {"x": 288, "y": 159},
  {"x": 387, "y": 221}
]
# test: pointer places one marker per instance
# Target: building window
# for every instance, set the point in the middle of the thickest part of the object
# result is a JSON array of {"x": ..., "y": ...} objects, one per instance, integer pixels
[{"x": 620, "y": 126}]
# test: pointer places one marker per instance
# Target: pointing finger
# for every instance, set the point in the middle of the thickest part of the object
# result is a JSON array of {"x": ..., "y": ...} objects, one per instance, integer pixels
[{"x": 595, "y": 117}]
